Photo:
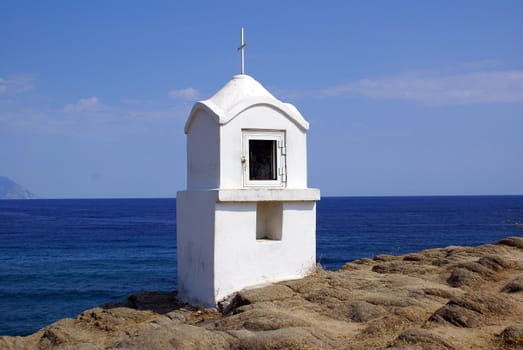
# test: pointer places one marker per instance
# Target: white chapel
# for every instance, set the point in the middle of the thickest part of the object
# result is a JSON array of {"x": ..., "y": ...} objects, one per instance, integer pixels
[{"x": 247, "y": 217}]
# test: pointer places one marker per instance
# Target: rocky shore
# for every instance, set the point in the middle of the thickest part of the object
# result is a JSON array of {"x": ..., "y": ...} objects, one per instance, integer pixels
[{"x": 449, "y": 298}]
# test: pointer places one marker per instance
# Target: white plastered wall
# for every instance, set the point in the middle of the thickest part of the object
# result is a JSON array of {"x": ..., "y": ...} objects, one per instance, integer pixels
[
  {"x": 262, "y": 117},
  {"x": 242, "y": 261},
  {"x": 203, "y": 152},
  {"x": 195, "y": 245},
  {"x": 218, "y": 252}
]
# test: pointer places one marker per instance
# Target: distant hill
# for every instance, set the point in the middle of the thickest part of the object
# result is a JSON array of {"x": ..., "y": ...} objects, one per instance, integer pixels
[{"x": 11, "y": 190}]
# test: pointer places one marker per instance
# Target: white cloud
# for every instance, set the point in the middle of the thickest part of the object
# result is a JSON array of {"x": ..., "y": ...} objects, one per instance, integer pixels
[
  {"x": 89, "y": 118},
  {"x": 184, "y": 94},
  {"x": 16, "y": 84},
  {"x": 466, "y": 83},
  {"x": 434, "y": 88},
  {"x": 137, "y": 102},
  {"x": 84, "y": 105}
]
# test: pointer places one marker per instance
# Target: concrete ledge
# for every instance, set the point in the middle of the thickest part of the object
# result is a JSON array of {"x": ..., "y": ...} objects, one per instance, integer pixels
[
  {"x": 265, "y": 194},
  {"x": 259, "y": 194}
]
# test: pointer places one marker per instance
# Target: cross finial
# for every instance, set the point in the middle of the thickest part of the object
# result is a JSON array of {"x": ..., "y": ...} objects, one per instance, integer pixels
[{"x": 241, "y": 49}]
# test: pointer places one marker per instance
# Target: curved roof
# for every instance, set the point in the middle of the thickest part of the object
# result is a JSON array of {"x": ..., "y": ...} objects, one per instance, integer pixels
[{"x": 239, "y": 94}]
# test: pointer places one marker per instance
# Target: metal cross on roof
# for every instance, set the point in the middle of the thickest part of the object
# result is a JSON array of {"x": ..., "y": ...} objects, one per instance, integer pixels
[{"x": 241, "y": 49}]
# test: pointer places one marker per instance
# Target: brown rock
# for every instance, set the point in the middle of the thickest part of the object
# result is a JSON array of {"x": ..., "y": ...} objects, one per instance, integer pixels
[
  {"x": 175, "y": 337},
  {"x": 362, "y": 261},
  {"x": 385, "y": 257},
  {"x": 291, "y": 338},
  {"x": 473, "y": 309},
  {"x": 474, "y": 273},
  {"x": 67, "y": 333},
  {"x": 111, "y": 320},
  {"x": 514, "y": 286},
  {"x": 463, "y": 277},
  {"x": 414, "y": 257},
  {"x": 494, "y": 262},
  {"x": 9, "y": 343},
  {"x": 362, "y": 311},
  {"x": 469, "y": 293},
  {"x": 424, "y": 339},
  {"x": 261, "y": 319},
  {"x": 161, "y": 303},
  {"x": 457, "y": 316},
  {"x": 438, "y": 293},
  {"x": 402, "y": 267},
  {"x": 482, "y": 271},
  {"x": 512, "y": 242},
  {"x": 270, "y": 293},
  {"x": 512, "y": 335},
  {"x": 385, "y": 327}
]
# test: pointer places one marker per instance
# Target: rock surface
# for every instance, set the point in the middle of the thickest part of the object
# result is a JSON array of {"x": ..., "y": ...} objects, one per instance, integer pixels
[{"x": 451, "y": 298}]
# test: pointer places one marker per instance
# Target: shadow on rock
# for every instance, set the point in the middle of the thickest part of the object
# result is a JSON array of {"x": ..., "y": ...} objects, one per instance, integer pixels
[{"x": 160, "y": 303}]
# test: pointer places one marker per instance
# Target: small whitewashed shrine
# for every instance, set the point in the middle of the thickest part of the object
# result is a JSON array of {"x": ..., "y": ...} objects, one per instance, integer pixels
[{"x": 247, "y": 217}]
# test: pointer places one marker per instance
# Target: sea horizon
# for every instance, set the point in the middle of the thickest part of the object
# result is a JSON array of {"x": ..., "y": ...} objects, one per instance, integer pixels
[
  {"x": 322, "y": 196},
  {"x": 59, "y": 257}
]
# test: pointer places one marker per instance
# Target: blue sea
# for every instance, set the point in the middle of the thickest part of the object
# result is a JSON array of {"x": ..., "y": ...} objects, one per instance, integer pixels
[{"x": 60, "y": 257}]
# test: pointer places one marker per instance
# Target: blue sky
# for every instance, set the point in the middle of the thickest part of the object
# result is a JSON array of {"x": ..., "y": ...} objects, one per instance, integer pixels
[{"x": 403, "y": 97}]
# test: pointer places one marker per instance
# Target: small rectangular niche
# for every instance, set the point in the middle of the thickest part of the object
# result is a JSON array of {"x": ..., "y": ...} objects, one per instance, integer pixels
[
  {"x": 262, "y": 160},
  {"x": 269, "y": 219}
]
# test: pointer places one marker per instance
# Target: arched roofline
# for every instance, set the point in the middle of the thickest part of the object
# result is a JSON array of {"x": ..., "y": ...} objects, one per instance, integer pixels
[{"x": 223, "y": 117}]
